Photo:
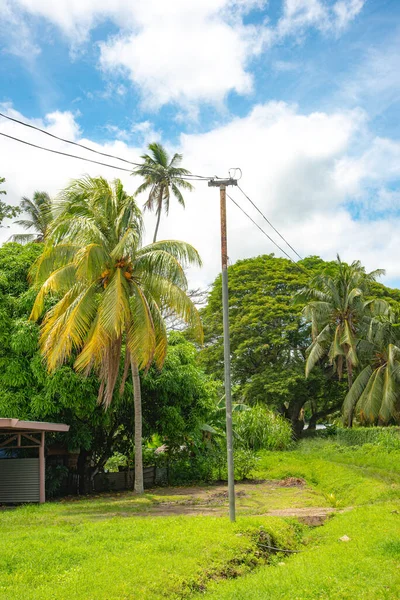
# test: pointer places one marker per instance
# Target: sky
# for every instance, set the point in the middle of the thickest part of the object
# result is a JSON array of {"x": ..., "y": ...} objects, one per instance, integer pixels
[{"x": 302, "y": 95}]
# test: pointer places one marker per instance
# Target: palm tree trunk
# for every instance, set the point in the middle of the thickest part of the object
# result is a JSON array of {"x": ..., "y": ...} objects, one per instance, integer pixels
[
  {"x": 137, "y": 398},
  {"x": 157, "y": 225},
  {"x": 350, "y": 383}
]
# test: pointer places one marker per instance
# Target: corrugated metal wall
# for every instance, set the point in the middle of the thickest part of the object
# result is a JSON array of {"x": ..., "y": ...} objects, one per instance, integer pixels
[{"x": 19, "y": 480}]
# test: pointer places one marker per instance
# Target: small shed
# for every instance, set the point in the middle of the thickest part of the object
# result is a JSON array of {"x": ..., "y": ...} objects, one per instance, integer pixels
[{"x": 23, "y": 479}]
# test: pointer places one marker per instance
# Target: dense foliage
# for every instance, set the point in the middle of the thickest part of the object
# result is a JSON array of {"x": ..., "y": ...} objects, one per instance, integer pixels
[
  {"x": 261, "y": 429},
  {"x": 109, "y": 291},
  {"x": 175, "y": 400},
  {"x": 269, "y": 339},
  {"x": 272, "y": 335}
]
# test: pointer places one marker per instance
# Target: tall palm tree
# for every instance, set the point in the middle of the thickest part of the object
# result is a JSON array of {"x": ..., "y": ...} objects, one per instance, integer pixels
[
  {"x": 109, "y": 290},
  {"x": 337, "y": 308},
  {"x": 162, "y": 176},
  {"x": 39, "y": 218},
  {"x": 375, "y": 394}
]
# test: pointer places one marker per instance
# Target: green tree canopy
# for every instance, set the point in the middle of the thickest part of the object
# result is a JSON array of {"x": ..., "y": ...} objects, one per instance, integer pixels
[
  {"x": 109, "y": 290},
  {"x": 375, "y": 394},
  {"x": 175, "y": 399},
  {"x": 270, "y": 337},
  {"x": 338, "y": 311}
]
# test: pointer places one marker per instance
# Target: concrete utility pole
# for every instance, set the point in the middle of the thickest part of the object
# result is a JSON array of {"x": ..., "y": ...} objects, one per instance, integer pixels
[{"x": 222, "y": 183}]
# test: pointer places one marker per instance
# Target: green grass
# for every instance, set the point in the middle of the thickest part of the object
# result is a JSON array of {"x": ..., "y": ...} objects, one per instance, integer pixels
[
  {"x": 81, "y": 550},
  {"x": 367, "y": 567},
  {"x": 113, "y": 547}
]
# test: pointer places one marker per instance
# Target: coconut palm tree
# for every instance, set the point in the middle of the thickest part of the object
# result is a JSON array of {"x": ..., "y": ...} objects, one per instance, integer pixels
[
  {"x": 375, "y": 394},
  {"x": 39, "y": 217},
  {"x": 162, "y": 176},
  {"x": 337, "y": 308},
  {"x": 109, "y": 291}
]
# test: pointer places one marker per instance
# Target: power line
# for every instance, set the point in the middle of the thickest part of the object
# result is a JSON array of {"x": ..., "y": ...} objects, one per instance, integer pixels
[
  {"x": 189, "y": 176},
  {"x": 64, "y": 153},
  {"x": 260, "y": 228},
  {"x": 67, "y": 141},
  {"x": 96, "y": 162},
  {"x": 269, "y": 223}
]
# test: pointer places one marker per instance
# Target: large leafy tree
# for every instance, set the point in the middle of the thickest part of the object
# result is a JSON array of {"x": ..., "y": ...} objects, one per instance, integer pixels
[
  {"x": 6, "y": 210},
  {"x": 162, "y": 176},
  {"x": 375, "y": 394},
  {"x": 337, "y": 308},
  {"x": 175, "y": 399},
  {"x": 39, "y": 217},
  {"x": 269, "y": 338},
  {"x": 109, "y": 291}
]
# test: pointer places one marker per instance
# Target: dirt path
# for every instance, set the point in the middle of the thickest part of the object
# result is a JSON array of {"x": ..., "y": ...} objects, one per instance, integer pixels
[{"x": 254, "y": 497}]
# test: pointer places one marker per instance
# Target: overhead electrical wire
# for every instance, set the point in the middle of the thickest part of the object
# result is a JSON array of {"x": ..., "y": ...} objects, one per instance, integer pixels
[
  {"x": 64, "y": 153},
  {"x": 189, "y": 176},
  {"x": 66, "y": 141},
  {"x": 269, "y": 223},
  {"x": 260, "y": 228},
  {"x": 96, "y": 162}
]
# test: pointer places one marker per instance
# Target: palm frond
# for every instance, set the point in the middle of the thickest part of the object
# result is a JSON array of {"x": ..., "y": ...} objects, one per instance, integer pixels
[
  {"x": 186, "y": 254},
  {"x": 61, "y": 335},
  {"x": 356, "y": 391},
  {"x": 114, "y": 306},
  {"x": 60, "y": 281}
]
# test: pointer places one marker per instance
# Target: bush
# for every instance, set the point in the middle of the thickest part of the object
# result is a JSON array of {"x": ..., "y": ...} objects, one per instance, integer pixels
[
  {"x": 245, "y": 461},
  {"x": 208, "y": 465},
  {"x": 387, "y": 437},
  {"x": 260, "y": 429},
  {"x": 184, "y": 467}
]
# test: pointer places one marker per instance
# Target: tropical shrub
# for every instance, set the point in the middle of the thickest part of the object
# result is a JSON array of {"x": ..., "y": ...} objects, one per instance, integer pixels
[
  {"x": 262, "y": 429},
  {"x": 245, "y": 462}
]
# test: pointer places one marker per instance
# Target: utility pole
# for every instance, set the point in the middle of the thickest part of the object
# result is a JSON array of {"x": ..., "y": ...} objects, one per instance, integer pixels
[{"x": 222, "y": 183}]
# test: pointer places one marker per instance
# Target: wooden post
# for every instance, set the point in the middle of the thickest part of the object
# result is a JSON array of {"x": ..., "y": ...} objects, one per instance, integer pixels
[{"x": 42, "y": 489}]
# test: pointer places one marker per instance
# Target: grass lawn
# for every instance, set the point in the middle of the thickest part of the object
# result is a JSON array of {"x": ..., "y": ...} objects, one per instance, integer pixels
[
  {"x": 367, "y": 566},
  {"x": 175, "y": 543}
]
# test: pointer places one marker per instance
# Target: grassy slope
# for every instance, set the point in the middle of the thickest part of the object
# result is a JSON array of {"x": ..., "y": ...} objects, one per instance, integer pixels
[
  {"x": 94, "y": 549},
  {"x": 83, "y": 551},
  {"x": 366, "y": 567}
]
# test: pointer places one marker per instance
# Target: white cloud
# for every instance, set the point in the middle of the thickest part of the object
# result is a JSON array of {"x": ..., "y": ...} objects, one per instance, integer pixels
[
  {"x": 300, "y": 169},
  {"x": 15, "y": 36},
  {"x": 379, "y": 162},
  {"x": 346, "y": 11},
  {"x": 185, "y": 52},
  {"x": 298, "y": 15}
]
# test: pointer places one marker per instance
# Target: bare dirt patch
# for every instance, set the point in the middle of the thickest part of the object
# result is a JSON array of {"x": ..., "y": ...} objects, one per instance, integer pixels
[
  {"x": 253, "y": 497},
  {"x": 312, "y": 516},
  {"x": 292, "y": 482}
]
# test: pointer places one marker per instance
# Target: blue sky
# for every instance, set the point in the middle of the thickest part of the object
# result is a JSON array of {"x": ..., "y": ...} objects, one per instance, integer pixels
[{"x": 304, "y": 95}]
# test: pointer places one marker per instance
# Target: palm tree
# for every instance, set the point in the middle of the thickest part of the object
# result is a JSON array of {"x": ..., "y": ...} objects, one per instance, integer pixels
[
  {"x": 375, "y": 394},
  {"x": 161, "y": 176},
  {"x": 109, "y": 291},
  {"x": 39, "y": 212},
  {"x": 337, "y": 308}
]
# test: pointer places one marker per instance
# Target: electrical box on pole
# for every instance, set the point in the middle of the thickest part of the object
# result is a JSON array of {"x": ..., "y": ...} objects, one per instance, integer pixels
[{"x": 222, "y": 184}]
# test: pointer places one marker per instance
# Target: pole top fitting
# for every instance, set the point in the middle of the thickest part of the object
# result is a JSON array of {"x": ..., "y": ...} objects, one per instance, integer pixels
[{"x": 222, "y": 182}]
